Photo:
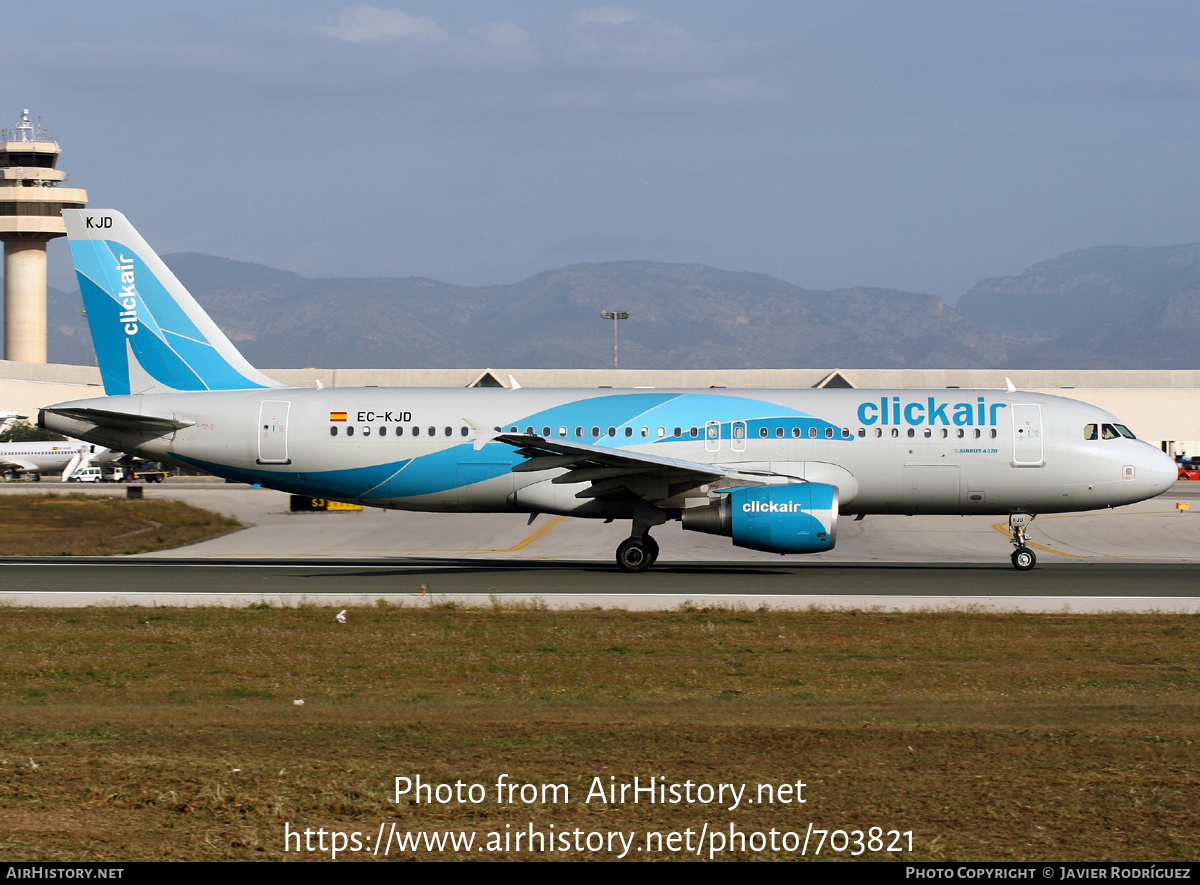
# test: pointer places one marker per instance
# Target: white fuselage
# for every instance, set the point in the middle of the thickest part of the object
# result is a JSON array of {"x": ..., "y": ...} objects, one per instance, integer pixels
[{"x": 887, "y": 451}]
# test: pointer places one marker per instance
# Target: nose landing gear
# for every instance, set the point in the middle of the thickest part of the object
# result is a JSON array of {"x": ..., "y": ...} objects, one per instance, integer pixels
[{"x": 1023, "y": 558}]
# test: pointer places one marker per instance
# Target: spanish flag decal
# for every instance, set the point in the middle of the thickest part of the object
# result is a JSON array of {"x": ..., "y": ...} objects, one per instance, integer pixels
[{"x": 337, "y": 416}]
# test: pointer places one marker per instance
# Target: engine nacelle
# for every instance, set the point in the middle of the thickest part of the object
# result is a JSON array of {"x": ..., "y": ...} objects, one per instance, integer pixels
[{"x": 793, "y": 518}]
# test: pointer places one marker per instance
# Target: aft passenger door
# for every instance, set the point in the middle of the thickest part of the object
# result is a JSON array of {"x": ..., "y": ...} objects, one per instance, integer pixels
[{"x": 272, "y": 432}]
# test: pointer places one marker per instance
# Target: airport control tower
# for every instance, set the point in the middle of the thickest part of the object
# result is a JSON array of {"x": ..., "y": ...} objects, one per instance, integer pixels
[{"x": 31, "y": 204}]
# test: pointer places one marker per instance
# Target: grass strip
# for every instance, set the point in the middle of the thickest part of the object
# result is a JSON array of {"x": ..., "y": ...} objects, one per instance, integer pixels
[
  {"x": 132, "y": 734},
  {"x": 100, "y": 525}
]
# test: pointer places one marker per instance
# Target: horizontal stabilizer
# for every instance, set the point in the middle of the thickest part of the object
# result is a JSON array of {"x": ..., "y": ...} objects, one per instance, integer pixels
[{"x": 152, "y": 424}]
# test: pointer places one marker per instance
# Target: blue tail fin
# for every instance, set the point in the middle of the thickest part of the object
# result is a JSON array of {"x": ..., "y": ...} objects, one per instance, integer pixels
[{"x": 149, "y": 333}]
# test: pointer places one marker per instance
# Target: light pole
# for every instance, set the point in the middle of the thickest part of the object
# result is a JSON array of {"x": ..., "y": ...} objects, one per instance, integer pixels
[{"x": 615, "y": 315}]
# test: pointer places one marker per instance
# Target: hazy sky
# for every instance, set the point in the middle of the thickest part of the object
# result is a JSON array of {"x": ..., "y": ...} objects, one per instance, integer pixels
[{"x": 917, "y": 145}]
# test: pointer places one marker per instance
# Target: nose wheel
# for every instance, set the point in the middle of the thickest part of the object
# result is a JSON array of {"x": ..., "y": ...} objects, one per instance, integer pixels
[
  {"x": 1023, "y": 558},
  {"x": 637, "y": 554}
]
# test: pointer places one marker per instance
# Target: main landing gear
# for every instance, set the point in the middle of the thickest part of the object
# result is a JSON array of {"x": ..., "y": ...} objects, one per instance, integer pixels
[
  {"x": 639, "y": 551},
  {"x": 1023, "y": 558},
  {"x": 637, "y": 554}
]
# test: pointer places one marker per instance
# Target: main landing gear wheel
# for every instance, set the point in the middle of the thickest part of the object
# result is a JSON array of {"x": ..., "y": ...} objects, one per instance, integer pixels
[
  {"x": 1023, "y": 559},
  {"x": 637, "y": 554}
]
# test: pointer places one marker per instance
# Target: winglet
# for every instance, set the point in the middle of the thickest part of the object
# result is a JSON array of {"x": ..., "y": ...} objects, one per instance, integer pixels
[{"x": 1012, "y": 388}]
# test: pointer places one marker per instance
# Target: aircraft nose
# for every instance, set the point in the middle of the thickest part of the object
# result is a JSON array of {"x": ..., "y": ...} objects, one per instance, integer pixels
[{"x": 1162, "y": 471}]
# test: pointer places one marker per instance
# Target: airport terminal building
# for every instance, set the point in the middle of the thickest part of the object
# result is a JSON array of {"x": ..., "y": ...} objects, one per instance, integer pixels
[{"x": 1160, "y": 406}]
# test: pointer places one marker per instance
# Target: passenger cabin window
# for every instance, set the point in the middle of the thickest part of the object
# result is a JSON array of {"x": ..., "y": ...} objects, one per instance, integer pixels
[
  {"x": 779, "y": 433},
  {"x": 829, "y": 433},
  {"x": 333, "y": 430},
  {"x": 595, "y": 431},
  {"x": 862, "y": 431},
  {"x": 812, "y": 433},
  {"x": 383, "y": 430}
]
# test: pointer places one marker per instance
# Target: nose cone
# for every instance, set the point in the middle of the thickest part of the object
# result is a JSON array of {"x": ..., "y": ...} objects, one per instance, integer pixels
[{"x": 1161, "y": 469}]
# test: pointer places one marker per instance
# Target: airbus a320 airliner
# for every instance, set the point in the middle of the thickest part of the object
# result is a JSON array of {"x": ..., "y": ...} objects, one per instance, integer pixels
[{"x": 772, "y": 469}]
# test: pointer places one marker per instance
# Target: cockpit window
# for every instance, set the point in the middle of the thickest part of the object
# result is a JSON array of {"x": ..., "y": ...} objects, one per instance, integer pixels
[
  {"x": 1124, "y": 431},
  {"x": 1109, "y": 432},
  {"x": 1089, "y": 431}
]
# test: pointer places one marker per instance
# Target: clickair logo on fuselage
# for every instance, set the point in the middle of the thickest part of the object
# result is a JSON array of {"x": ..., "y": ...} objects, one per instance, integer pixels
[
  {"x": 892, "y": 411},
  {"x": 128, "y": 297}
]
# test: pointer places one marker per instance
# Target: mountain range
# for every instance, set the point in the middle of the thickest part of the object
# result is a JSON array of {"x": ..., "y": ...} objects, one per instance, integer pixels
[{"x": 1111, "y": 307}]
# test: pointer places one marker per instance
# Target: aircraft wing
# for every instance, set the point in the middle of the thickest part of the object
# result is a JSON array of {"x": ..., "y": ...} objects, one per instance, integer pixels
[
  {"x": 581, "y": 458},
  {"x": 23, "y": 466},
  {"x": 610, "y": 471}
]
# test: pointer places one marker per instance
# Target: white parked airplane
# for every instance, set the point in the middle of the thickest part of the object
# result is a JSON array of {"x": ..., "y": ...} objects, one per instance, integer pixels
[
  {"x": 61, "y": 456},
  {"x": 772, "y": 469}
]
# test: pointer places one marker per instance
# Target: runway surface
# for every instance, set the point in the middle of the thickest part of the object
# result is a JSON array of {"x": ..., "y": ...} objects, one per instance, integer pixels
[
  {"x": 1056, "y": 587},
  {"x": 1141, "y": 558}
]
